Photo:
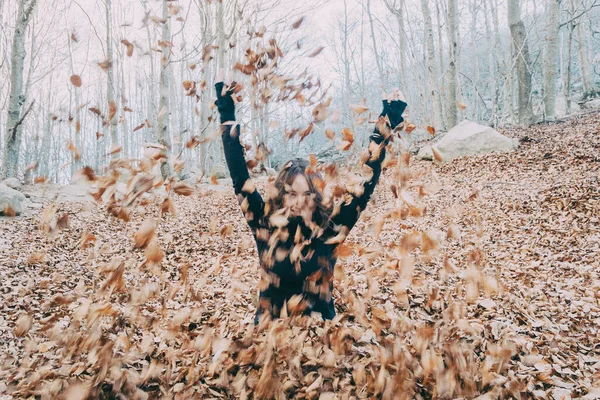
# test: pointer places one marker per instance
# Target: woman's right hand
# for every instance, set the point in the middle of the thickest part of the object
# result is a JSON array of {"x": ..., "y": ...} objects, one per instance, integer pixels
[
  {"x": 394, "y": 104},
  {"x": 225, "y": 90}
]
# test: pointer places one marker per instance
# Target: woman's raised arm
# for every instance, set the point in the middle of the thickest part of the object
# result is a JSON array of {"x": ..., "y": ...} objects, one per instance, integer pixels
[
  {"x": 389, "y": 119},
  {"x": 250, "y": 200}
]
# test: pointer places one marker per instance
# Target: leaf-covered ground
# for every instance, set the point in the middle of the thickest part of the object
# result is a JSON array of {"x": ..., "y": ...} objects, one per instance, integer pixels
[{"x": 493, "y": 292}]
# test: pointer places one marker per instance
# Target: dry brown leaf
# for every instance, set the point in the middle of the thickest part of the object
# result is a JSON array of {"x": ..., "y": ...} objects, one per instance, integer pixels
[
  {"x": 183, "y": 189},
  {"x": 76, "y": 80},
  {"x": 23, "y": 325},
  {"x": 145, "y": 233}
]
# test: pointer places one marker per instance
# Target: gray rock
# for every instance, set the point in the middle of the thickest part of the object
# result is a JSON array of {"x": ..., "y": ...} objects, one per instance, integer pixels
[
  {"x": 219, "y": 171},
  {"x": 425, "y": 153},
  {"x": 469, "y": 138},
  {"x": 11, "y": 198},
  {"x": 12, "y": 183},
  {"x": 591, "y": 104}
]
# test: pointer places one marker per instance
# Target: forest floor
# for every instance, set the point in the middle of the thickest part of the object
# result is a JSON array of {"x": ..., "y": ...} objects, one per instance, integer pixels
[{"x": 505, "y": 305}]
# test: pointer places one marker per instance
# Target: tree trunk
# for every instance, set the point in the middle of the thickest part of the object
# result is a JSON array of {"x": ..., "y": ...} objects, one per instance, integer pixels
[
  {"x": 221, "y": 42},
  {"x": 442, "y": 85},
  {"x": 14, "y": 123},
  {"x": 521, "y": 52},
  {"x": 110, "y": 94},
  {"x": 587, "y": 75},
  {"x": 491, "y": 64},
  {"x": 347, "y": 92},
  {"x": 497, "y": 50},
  {"x": 435, "y": 94},
  {"x": 164, "y": 89},
  {"x": 44, "y": 157},
  {"x": 567, "y": 71},
  {"x": 398, "y": 11},
  {"x": 550, "y": 67},
  {"x": 75, "y": 164},
  {"x": 451, "y": 107},
  {"x": 382, "y": 75},
  {"x": 401, "y": 41}
]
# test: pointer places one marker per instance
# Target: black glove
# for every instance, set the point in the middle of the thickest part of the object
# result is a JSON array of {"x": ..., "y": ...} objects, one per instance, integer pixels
[
  {"x": 394, "y": 109},
  {"x": 225, "y": 103}
]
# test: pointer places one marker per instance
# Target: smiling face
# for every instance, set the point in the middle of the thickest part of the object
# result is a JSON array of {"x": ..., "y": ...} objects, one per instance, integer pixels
[
  {"x": 299, "y": 197},
  {"x": 294, "y": 190}
]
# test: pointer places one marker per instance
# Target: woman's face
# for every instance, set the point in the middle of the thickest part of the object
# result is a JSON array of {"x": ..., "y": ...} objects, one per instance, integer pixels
[{"x": 299, "y": 198}]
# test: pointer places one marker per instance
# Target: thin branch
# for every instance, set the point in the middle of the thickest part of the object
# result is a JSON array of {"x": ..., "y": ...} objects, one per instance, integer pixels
[{"x": 581, "y": 14}]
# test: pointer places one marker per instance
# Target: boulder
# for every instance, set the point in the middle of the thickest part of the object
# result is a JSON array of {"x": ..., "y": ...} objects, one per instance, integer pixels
[
  {"x": 469, "y": 138},
  {"x": 425, "y": 153},
  {"x": 219, "y": 171},
  {"x": 590, "y": 104},
  {"x": 12, "y": 183},
  {"x": 11, "y": 198}
]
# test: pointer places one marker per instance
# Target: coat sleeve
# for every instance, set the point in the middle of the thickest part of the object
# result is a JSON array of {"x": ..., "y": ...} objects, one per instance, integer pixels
[
  {"x": 250, "y": 200},
  {"x": 344, "y": 218}
]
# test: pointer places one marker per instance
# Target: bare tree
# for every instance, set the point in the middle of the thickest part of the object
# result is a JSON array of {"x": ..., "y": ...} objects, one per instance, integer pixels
[
  {"x": 550, "y": 64},
  {"x": 110, "y": 89},
  {"x": 396, "y": 7},
  {"x": 587, "y": 73},
  {"x": 521, "y": 53},
  {"x": 382, "y": 74},
  {"x": 165, "y": 87},
  {"x": 14, "y": 123},
  {"x": 432, "y": 70},
  {"x": 451, "y": 107}
]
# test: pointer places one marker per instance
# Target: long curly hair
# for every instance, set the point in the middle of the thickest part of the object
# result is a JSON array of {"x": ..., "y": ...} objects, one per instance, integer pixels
[{"x": 285, "y": 178}]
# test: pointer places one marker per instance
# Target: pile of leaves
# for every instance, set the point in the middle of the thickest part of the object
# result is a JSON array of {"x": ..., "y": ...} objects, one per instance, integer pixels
[{"x": 477, "y": 278}]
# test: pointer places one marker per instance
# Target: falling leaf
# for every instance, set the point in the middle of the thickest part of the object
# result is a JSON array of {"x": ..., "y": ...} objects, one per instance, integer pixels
[
  {"x": 76, "y": 80},
  {"x": 431, "y": 130},
  {"x": 316, "y": 52},
  {"x": 320, "y": 112},
  {"x": 437, "y": 156},
  {"x": 358, "y": 109},
  {"x": 23, "y": 325},
  {"x": 183, "y": 189},
  {"x": 297, "y": 24},
  {"x": 105, "y": 65},
  {"x": 112, "y": 109},
  {"x": 214, "y": 180},
  {"x": 409, "y": 128},
  {"x": 115, "y": 149},
  {"x": 129, "y": 46},
  {"x": 330, "y": 134},
  {"x": 167, "y": 207},
  {"x": 461, "y": 105},
  {"x": 74, "y": 150},
  {"x": 95, "y": 110},
  {"x": 88, "y": 173},
  {"x": 153, "y": 252},
  {"x": 145, "y": 233}
]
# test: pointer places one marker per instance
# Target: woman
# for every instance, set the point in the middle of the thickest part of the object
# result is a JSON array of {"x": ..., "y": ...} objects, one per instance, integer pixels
[{"x": 296, "y": 234}]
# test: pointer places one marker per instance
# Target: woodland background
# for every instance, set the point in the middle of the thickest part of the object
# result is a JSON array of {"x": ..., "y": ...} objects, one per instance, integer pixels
[
  {"x": 475, "y": 278},
  {"x": 85, "y": 81}
]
